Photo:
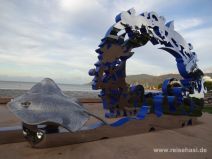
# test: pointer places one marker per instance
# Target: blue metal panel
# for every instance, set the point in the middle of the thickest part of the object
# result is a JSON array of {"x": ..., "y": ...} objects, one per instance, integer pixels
[
  {"x": 177, "y": 91},
  {"x": 143, "y": 112},
  {"x": 164, "y": 86},
  {"x": 171, "y": 103},
  {"x": 158, "y": 100},
  {"x": 120, "y": 122}
]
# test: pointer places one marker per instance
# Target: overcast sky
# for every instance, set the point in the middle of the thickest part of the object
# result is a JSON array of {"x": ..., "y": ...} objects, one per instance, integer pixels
[{"x": 57, "y": 38}]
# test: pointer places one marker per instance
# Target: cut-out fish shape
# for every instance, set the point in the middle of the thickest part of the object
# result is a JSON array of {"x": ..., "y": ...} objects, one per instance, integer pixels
[{"x": 45, "y": 102}]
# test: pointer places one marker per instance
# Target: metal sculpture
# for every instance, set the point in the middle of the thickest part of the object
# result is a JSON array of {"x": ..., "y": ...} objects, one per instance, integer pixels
[
  {"x": 131, "y": 31},
  {"x": 45, "y": 103}
]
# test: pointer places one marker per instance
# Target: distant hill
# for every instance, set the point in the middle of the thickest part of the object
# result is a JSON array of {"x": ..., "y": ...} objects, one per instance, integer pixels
[{"x": 151, "y": 80}]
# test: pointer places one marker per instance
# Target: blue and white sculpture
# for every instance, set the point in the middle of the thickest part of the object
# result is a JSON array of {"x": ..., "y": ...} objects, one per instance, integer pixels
[{"x": 131, "y": 31}]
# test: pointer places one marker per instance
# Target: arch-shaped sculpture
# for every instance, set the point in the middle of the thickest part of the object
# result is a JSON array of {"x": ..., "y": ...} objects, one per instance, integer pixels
[{"x": 131, "y": 31}]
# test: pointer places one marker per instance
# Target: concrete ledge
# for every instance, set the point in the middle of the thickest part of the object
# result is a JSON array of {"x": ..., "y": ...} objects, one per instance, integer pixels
[
  {"x": 90, "y": 100},
  {"x": 5, "y": 100}
]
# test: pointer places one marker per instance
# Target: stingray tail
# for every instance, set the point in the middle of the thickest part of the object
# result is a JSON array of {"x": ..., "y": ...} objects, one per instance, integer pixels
[{"x": 97, "y": 117}]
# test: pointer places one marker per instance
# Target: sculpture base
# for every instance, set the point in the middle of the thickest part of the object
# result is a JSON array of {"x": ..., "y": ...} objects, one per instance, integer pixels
[{"x": 149, "y": 124}]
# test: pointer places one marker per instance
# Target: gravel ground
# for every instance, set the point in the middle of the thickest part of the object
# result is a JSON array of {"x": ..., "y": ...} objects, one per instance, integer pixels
[{"x": 76, "y": 94}]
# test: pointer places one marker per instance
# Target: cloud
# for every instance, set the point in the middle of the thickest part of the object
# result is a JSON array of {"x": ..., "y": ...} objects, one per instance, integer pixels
[
  {"x": 208, "y": 70},
  {"x": 201, "y": 40},
  {"x": 57, "y": 38},
  {"x": 149, "y": 59},
  {"x": 185, "y": 24},
  {"x": 73, "y": 6}
]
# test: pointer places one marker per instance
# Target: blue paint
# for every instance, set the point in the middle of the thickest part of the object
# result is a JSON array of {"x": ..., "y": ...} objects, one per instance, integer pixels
[
  {"x": 135, "y": 104},
  {"x": 171, "y": 103},
  {"x": 113, "y": 101},
  {"x": 110, "y": 115},
  {"x": 98, "y": 51},
  {"x": 100, "y": 57},
  {"x": 118, "y": 113},
  {"x": 192, "y": 105},
  {"x": 143, "y": 112},
  {"x": 92, "y": 72},
  {"x": 104, "y": 103},
  {"x": 158, "y": 105},
  {"x": 120, "y": 73},
  {"x": 164, "y": 86},
  {"x": 177, "y": 91},
  {"x": 120, "y": 122}
]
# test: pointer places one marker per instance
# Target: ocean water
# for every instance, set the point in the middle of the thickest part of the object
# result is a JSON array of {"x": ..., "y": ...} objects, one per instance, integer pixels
[{"x": 13, "y": 85}]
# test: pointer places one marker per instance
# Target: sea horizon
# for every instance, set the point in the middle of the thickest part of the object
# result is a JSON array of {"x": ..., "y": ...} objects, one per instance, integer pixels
[{"x": 23, "y": 85}]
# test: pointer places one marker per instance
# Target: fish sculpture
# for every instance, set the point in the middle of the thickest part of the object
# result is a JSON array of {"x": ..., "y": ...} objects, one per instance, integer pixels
[{"x": 46, "y": 103}]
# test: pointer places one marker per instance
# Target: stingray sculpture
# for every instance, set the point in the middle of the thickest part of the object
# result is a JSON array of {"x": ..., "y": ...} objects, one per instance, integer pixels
[{"x": 45, "y": 102}]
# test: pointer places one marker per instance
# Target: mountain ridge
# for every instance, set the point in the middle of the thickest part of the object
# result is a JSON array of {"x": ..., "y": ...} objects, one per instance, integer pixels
[{"x": 152, "y": 80}]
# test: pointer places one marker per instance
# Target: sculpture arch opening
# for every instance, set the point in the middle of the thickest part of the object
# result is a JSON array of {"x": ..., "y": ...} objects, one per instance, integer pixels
[{"x": 148, "y": 61}]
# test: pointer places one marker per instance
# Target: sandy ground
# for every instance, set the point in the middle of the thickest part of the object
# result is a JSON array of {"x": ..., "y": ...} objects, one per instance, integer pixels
[
  {"x": 132, "y": 147},
  {"x": 7, "y": 118}
]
